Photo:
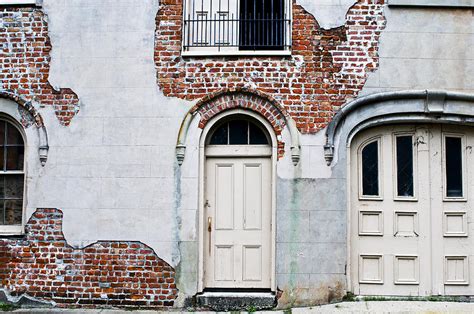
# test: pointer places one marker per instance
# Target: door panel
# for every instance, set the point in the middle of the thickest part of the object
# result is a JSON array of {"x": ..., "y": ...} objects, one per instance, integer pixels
[
  {"x": 237, "y": 249},
  {"x": 224, "y": 193},
  {"x": 413, "y": 238},
  {"x": 252, "y": 196}
]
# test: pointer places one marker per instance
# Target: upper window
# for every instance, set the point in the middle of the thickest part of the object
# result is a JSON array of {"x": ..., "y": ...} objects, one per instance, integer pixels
[
  {"x": 23, "y": 2},
  {"x": 236, "y": 27},
  {"x": 12, "y": 176}
]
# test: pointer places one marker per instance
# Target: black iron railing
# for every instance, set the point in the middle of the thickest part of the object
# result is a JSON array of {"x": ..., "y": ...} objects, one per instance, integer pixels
[{"x": 243, "y": 25}]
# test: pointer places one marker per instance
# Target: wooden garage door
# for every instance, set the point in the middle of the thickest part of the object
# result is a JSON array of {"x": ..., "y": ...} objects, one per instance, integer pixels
[{"x": 411, "y": 211}]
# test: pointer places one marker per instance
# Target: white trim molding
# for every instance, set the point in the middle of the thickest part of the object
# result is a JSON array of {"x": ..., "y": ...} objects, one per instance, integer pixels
[
  {"x": 433, "y": 3},
  {"x": 37, "y": 3},
  {"x": 201, "y": 194},
  {"x": 193, "y": 112},
  {"x": 395, "y": 107}
]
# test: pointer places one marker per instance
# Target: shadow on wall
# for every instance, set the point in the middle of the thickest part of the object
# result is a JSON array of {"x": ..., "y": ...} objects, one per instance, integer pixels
[{"x": 122, "y": 274}]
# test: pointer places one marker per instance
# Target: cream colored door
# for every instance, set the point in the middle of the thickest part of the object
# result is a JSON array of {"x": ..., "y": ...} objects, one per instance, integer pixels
[
  {"x": 238, "y": 223},
  {"x": 452, "y": 174},
  {"x": 408, "y": 237}
]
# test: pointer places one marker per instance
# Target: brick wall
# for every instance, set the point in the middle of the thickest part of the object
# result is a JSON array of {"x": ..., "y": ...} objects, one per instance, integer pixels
[
  {"x": 44, "y": 266},
  {"x": 327, "y": 67},
  {"x": 24, "y": 57}
]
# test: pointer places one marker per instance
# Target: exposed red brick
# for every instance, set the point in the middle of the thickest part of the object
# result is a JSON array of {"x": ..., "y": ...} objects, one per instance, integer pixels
[
  {"x": 327, "y": 67},
  {"x": 121, "y": 274},
  {"x": 25, "y": 57}
]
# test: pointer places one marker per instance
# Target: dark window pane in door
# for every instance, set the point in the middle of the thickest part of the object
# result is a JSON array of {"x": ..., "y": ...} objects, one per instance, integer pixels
[
  {"x": 2, "y": 213},
  {"x": 404, "y": 166},
  {"x": 238, "y": 132},
  {"x": 219, "y": 137},
  {"x": 2, "y": 186},
  {"x": 2, "y": 158},
  {"x": 15, "y": 156},
  {"x": 257, "y": 136},
  {"x": 370, "y": 169},
  {"x": 3, "y": 125},
  {"x": 454, "y": 167}
]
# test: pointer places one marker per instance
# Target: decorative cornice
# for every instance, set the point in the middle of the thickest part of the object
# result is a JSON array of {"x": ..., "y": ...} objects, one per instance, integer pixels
[{"x": 435, "y": 105}]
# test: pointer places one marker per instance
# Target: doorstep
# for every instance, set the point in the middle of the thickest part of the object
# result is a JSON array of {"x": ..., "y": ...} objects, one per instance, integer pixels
[{"x": 234, "y": 301}]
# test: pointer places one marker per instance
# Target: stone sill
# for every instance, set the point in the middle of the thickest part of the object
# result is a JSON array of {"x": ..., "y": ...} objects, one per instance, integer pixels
[
  {"x": 433, "y": 3},
  {"x": 213, "y": 53}
]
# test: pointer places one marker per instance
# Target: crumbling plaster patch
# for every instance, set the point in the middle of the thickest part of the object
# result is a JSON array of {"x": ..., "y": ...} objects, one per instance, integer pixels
[
  {"x": 327, "y": 67},
  {"x": 328, "y": 13},
  {"x": 25, "y": 49},
  {"x": 116, "y": 161},
  {"x": 111, "y": 273}
]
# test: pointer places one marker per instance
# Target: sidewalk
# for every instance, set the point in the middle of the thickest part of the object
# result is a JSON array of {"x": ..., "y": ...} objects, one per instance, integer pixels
[{"x": 344, "y": 307}]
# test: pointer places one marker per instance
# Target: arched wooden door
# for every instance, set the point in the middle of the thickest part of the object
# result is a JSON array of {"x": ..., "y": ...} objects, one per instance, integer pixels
[
  {"x": 238, "y": 205},
  {"x": 412, "y": 193}
]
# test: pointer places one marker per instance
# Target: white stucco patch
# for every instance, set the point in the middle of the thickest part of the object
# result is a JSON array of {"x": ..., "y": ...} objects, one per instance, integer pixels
[
  {"x": 328, "y": 13},
  {"x": 425, "y": 48}
]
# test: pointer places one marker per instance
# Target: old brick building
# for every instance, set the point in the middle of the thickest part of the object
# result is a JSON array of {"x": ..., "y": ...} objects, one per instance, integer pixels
[{"x": 226, "y": 153}]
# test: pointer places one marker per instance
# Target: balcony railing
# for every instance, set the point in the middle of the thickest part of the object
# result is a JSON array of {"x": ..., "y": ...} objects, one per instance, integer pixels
[{"x": 251, "y": 25}]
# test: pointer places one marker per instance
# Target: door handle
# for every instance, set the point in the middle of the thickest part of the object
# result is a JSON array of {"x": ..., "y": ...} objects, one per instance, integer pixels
[{"x": 209, "y": 229}]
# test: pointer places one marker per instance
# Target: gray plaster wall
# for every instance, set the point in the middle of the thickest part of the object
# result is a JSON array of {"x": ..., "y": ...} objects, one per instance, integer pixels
[
  {"x": 425, "y": 48},
  {"x": 113, "y": 171}
]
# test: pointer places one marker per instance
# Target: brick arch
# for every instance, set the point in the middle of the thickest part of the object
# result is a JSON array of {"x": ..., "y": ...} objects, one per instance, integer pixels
[
  {"x": 243, "y": 98},
  {"x": 31, "y": 116},
  {"x": 255, "y": 101},
  {"x": 26, "y": 105}
]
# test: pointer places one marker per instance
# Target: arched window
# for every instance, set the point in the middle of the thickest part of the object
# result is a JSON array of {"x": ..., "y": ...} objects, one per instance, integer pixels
[
  {"x": 12, "y": 177},
  {"x": 238, "y": 132}
]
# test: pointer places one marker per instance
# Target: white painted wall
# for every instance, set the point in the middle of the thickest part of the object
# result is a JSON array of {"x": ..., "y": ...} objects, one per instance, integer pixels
[
  {"x": 112, "y": 170},
  {"x": 425, "y": 48}
]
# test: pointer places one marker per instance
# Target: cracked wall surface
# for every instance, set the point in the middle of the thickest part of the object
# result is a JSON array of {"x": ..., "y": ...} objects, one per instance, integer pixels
[
  {"x": 113, "y": 171},
  {"x": 44, "y": 266},
  {"x": 25, "y": 56},
  {"x": 327, "y": 68}
]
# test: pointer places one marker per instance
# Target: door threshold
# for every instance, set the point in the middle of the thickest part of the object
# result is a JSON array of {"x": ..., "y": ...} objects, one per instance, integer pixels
[{"x": 236, "y": 300}]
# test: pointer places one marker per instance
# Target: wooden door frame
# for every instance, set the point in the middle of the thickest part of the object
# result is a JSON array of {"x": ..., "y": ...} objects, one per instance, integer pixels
[{"x": 201, "y": 197}]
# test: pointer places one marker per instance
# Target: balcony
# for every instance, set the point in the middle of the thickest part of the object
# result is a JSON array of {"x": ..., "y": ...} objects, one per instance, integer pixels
[{"x": 237, "y": 27}]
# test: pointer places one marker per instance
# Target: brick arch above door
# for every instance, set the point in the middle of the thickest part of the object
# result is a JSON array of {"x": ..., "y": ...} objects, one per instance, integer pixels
[{"x": 257, "y": 102}]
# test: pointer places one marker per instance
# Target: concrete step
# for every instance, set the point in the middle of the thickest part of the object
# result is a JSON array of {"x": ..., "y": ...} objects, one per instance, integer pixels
[{"x": 236, "y": 301}]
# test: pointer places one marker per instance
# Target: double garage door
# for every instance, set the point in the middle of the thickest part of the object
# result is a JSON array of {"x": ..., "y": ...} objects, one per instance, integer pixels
[{"x": 411, "y": 224}]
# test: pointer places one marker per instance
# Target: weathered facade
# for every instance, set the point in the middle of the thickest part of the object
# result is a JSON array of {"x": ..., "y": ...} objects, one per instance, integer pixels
[{"x": 171, "y": 154}]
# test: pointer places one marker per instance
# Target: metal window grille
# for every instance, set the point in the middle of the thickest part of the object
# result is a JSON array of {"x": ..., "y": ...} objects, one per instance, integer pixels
[{"x": 244, "y": 25}]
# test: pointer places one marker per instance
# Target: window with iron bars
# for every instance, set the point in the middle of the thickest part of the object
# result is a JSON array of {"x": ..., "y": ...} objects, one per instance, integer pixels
[{"x": 237, "y": 27}]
